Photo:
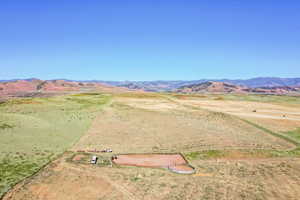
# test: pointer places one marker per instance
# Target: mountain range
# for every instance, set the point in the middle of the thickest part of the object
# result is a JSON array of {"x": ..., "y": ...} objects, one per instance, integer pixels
[
  {"x": 33, "y": 86},
  {"x": 223, "y": 87},
  {"x": 171, "y": 85},
  {"x": 255, "y": 85}
]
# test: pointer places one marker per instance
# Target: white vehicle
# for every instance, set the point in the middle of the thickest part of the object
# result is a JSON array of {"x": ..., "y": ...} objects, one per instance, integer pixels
[
  {"x": 94, "y": 160},
  {"x": 106, "y": 151}
]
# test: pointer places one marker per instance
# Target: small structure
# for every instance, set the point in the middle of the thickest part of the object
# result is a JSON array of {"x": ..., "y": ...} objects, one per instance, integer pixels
[
  {"x": 106, "y": 151},
  {"x": 94, "y": 160},
  {"x": 182, "y": 169}
]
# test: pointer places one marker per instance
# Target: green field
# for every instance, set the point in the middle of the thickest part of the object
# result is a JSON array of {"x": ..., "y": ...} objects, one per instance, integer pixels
[{"x": 36, "y": 130}]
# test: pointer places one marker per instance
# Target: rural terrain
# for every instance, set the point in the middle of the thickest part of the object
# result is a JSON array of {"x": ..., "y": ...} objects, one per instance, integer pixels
[{"x": 242, "y": 145}]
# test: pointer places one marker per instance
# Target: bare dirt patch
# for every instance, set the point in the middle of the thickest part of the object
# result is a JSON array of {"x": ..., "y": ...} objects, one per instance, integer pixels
[
  {"x": 78, "y": 157},
  {"x": 150, "y": 160},
  {"x": 174, "y": 162}
]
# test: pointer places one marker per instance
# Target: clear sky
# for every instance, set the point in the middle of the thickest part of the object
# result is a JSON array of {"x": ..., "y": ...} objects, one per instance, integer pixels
[{"x": 149, "y": 40}]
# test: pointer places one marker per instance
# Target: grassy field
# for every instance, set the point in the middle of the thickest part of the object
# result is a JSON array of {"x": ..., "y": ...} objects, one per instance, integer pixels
[
  {"x": 287, "y": 100},
  {"x": 34, "y": 131},
  {"x": 237, "y": 153}
]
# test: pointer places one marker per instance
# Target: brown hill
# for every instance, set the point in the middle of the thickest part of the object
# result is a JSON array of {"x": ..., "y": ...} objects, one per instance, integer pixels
[
  {"x": 221, "y": 87},
  {"x": 212, "y": 87},
  {"x": 22, "y": 87},
  {"x": 275, "y": 90},
  {"x": 18, "y": 86}
]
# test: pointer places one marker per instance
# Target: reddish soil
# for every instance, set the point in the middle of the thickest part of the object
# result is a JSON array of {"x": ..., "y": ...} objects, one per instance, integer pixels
[
  {"x": 35, "y": 85},
  {"x": 78, "y": 157},
  {"x": 17, "y": 86},
  {"x": 150, "y": 160},
  {"x": 174, "y": 162},
  {"x": 60, "y": 85}
]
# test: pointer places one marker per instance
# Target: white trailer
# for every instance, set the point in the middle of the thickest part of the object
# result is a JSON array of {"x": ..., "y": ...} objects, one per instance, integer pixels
[{"x": 94, "y": 160}]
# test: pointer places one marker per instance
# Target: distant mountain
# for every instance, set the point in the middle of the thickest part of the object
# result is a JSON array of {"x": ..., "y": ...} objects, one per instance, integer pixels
[
  {"x": 212, "y": 87},
  {"x": 154, "y": 86},
  {"x": 267, "y": 82},
  {"x": 171, "y": 85},
  {"x": 275, "y": 90},
  {"x": 223, "y": 87},
  {"x": 21, "y": 87}
]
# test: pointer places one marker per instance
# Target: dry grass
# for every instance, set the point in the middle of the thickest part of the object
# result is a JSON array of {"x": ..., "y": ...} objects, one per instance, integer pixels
[
  {"x": 221, "y": 179},
  {"x": 234, "y": 159},
  {"x": 135, "y": 130}
]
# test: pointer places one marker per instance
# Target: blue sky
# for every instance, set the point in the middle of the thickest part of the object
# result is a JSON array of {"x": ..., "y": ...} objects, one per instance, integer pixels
[{"x": 149, "y": 40}]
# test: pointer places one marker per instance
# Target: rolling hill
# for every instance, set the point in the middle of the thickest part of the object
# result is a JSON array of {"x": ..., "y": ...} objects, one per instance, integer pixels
[
  {"x": 269, "y": 82},
  {"x": 254, "y": 85},
  {"x": 223, "y": 87},
  {"x": 32, "y": 86},
  {"x": 212, "y": 87}
]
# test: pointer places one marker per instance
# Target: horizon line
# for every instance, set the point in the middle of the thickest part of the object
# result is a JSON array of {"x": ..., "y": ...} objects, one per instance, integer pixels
[{"x": 99, "y": 80}]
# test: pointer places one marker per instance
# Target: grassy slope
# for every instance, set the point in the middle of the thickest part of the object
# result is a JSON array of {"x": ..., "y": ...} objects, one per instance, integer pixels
[
  {"x": 291, "y": 136},
  {"x": 34, "y": 131}
]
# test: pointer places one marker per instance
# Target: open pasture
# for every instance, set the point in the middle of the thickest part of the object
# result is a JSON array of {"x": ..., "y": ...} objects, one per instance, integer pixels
[
  {"x": 34, "y": 131},
  {"x": 251, "y": 179},
  {"x": 236, "y": 156},
  {"x": 139, "y": 125}
]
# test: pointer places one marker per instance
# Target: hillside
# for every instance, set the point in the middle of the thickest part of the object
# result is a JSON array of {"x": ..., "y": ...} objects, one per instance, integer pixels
[
  {"x": 257, "y": 85},
  {"x": 171, "y": 85},
  {"x": 31, "y": 86},
  {"x": 212, "y": 87},
  {"x": 221, "y": 87}
]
